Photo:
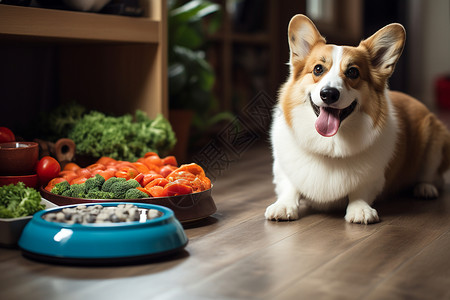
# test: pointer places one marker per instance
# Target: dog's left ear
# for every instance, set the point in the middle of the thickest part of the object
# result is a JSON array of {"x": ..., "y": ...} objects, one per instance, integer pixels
[{"x": 385, "y": 48}]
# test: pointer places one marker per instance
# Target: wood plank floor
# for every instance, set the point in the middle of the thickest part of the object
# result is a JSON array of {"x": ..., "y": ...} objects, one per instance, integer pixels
[{"x": 237, "y": 254}]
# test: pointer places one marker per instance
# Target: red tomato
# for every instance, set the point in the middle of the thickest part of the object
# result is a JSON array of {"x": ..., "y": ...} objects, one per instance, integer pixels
[
  {"x": 6, "y": 135},
  {"x": 47, "y": 169}
]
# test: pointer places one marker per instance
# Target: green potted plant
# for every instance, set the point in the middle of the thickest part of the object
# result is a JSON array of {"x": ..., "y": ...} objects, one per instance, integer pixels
[{"x": 191, "y": 77}]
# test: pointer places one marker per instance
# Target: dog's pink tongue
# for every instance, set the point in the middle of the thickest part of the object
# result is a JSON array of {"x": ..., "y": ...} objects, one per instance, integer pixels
[{"x": 327, "y": 123}]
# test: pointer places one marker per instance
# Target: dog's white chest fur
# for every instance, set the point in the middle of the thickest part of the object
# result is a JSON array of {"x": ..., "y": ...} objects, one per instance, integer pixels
[{"x": 323, "y": 177}]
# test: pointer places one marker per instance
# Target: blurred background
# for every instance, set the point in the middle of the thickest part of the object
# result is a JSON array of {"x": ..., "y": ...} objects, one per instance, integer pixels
[
  {"x": 246, "y": 46},
  {"x": 250, "y": 50},
  {"x": 222, "y": 56}
]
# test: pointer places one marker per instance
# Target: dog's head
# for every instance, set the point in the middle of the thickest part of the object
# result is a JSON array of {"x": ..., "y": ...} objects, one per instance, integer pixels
[{"x": 340, "y": 82}]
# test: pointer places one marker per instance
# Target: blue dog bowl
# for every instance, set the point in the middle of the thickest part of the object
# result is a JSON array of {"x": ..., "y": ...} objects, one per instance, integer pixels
[{"x": 102, "y": 243}]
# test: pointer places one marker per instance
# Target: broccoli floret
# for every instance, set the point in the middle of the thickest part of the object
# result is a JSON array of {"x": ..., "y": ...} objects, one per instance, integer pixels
[
  {"x": 97, "y": 194},
  {"x": 76, "y": 191},
  {"x": 135, "y": 194},
  {"x": 94, "y": 183},
  {"x": 120, "y": 188},
  {"x": 108, "y": 183},
  {"x": 60, "y": 187}
]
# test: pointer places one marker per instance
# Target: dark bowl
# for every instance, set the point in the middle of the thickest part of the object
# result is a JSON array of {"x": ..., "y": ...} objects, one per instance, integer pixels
[
  {"x": 187, "y": 208},
  {"x": 28, "y": 180},
  {"x": 18, "y": 158}
]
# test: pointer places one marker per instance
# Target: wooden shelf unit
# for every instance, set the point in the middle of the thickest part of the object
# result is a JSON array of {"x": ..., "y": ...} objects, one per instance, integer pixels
[
  {"x": 115, "y": 64},
  {"x": 76, "y": 26}
]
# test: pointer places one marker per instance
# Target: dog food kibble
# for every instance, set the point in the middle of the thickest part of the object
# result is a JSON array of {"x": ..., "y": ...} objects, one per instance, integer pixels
[{"x": 84, "y": 214}]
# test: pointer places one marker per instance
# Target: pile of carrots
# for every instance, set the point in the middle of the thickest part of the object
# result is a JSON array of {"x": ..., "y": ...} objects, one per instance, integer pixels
[{"x": 158, "y": 177}]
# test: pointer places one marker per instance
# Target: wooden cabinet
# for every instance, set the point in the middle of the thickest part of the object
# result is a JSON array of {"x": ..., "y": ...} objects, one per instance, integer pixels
[{"x": 115, "y": 64}]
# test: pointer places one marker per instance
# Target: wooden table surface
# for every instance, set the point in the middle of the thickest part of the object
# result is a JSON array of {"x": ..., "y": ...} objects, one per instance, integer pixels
[{"x": 237, "y": 254}]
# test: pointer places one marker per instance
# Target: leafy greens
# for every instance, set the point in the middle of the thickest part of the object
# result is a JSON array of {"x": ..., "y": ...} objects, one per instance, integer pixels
[{"x": 17, "y": 200}]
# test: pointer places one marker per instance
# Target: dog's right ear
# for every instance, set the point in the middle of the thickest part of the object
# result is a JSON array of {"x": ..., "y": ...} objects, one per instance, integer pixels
[{"x": 303, "y": 35}]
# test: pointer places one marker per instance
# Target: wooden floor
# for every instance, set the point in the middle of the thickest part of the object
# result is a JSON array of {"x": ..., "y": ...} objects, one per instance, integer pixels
[{"x": 237, "y": 254}]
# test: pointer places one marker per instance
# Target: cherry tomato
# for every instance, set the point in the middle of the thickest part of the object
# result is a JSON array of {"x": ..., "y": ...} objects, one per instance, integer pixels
[
  {"x": 6, "y": 135},
  {"x": 47, "y": 169}
]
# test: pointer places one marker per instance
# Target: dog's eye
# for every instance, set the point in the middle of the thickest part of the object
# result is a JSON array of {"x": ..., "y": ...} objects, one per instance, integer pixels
[
  {"x": 352, "y": 73},
  {"x": 318, "y": 70}
]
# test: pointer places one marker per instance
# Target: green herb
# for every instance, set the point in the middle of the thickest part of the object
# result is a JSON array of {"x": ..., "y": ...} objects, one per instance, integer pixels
[
  {"x": 58, "y": 123},
  {"x": 122, "y": 138},
  {"x": 17, "y": 200}
]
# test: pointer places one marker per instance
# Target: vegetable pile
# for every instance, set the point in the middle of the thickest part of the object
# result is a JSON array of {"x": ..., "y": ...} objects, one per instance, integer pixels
[
  {"x": 122, "y": 138},
  {"x": 17, "y": 200},
  {"x": 96, "y": 134},
  {"x": 149, "y": 176}
]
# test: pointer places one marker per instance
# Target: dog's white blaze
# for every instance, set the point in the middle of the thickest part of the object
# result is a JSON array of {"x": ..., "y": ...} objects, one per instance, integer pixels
[{"x": 333, "y": 79}]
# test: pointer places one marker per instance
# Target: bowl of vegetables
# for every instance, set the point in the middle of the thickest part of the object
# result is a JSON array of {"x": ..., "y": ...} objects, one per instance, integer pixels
[
  {"x": 153, "y": 180},
  {"x": 102, "y": 233},
  {"x": 17, "y": 205}
]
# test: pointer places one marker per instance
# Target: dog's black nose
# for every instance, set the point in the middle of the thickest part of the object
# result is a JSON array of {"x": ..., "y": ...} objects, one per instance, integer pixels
[{"x": 329, "y": 95}]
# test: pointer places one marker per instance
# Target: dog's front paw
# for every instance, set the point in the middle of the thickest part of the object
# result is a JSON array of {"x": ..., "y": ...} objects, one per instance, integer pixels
[
  {"x": 361, "y": 212},
  {"x": 426, "y": 190},
  {"x": 279, "y": 211}
]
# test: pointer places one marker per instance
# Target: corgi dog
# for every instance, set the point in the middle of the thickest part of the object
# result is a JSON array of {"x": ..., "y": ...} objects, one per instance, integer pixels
[{"x": 340, "y": 137}]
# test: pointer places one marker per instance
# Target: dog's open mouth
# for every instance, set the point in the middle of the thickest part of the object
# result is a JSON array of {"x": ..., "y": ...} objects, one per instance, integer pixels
[{"x": 329, "y": 119}]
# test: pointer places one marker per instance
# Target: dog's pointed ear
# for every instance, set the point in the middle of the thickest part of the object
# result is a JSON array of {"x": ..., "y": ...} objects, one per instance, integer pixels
[
  {"x": 303, "y": 35},
  {"x": 385, "y": 48}
]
